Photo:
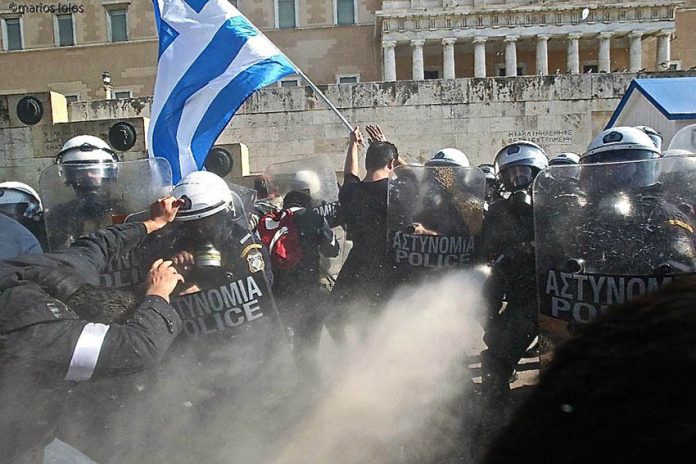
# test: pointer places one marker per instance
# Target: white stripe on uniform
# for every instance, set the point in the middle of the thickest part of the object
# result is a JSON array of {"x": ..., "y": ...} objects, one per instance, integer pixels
[{"x": 86, "y": 354}]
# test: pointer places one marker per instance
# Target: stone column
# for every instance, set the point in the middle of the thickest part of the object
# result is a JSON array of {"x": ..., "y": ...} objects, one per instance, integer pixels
[
  {"x": 418, "y": 74},
  {"x": 389, "y": 60},
  {"x": 663, "y": 50},
  {"x": 636, "y": 57},
  {"x": 511, "y": 55},
  {"x": 604, "y": 52},
  {"x": 542, "y": 55},
  {"x": 479, "y": 57},
  {"x": 573, "y": 64},
  {"x": 448, "y": 58}
]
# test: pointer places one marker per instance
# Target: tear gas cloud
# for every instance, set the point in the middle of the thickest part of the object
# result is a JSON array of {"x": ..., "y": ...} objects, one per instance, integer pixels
[{"x": 396, "y": 395}]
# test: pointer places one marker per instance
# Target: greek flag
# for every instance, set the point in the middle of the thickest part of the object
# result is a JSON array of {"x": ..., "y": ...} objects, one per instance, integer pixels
[{"x": 211, "y": 59}]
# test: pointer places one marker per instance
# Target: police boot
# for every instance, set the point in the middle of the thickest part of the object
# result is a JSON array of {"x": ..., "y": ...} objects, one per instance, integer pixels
[{"x": 495, "y": 380}]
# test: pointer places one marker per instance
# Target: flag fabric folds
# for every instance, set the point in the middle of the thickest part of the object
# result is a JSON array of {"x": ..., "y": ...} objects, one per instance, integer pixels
[{"x": 211, "y": 59}]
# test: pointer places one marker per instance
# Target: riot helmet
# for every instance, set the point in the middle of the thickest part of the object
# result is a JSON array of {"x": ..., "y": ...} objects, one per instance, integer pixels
[
  {"x": 518, "y": 164},
  {"x": 306, "y": 181},
  {"x": 564, "y": 159},
  {"x": 448, "y": 157},
  {"x": 620, "y": 145},
  {"x": 20, "y": 202},
  {"x": 87, "y": 163},
  {"x": 653, "y": 134},
  {"x": 210, "y": 211}
]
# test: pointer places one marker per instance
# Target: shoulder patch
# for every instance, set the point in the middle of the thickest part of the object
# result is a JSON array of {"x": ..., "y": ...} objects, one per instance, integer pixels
[
  {"x": 682, "y": 224},
  {"x": 255, "y": 260}
]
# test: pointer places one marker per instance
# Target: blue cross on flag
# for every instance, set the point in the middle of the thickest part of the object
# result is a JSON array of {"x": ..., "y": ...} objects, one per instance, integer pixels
[{"x": 211, "y": 59}]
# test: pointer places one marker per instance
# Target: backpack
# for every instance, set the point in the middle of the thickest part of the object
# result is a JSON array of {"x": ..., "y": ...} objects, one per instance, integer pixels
[{"x": 280, "y": 235}]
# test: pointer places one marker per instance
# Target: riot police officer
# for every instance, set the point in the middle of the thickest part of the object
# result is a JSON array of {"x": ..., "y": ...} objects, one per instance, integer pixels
[
  {"x": 57, "y": 328},
  {"x": 565, "y": 159},
  {"x": 89, "y": 166},
  {"x": 508, "y": 238},
  {"x": 631, "y": 203},
  {"x": 447, "y": 207},
  {"x": 21, "y": 203}
]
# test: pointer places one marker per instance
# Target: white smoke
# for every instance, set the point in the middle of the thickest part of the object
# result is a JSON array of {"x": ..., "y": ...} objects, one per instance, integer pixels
[{"x": 397, "y": 396}]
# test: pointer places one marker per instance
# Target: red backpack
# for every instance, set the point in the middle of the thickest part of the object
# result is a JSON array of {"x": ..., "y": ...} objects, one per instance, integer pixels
[{"x": 281, "y": 237}]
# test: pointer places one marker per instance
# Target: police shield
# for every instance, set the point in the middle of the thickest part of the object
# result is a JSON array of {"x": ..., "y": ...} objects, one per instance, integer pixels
[
  {"x": 434, "y": 216},
  {"x": 683, "y": 142},
  {"x": 618, "y": 231},
  {"x": 81, "y": 198},
  {"x": 317, "y": 177}
]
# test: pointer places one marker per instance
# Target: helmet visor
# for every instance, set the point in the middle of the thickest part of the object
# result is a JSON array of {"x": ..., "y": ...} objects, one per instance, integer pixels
[
  {"x": 620, "y": 156},
  {"x": 517, "y": 177},
  {"x": 89, "y": 176},
  {"x": 14, "y": 210},
  {"x": 617, "y": 176}
]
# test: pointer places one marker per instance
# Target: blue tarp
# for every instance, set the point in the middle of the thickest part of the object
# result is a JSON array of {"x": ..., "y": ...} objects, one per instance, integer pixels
[{"x": 674, "y": 97}]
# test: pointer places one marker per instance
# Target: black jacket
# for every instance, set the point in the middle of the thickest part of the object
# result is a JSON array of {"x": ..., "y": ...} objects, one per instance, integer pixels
[
  {"x": 45, "y": 346},
  {"x": 508, "y": 243}
]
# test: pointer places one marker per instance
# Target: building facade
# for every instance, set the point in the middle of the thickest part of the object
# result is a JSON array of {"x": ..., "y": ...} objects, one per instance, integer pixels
[{"x": 66, "y": 47}]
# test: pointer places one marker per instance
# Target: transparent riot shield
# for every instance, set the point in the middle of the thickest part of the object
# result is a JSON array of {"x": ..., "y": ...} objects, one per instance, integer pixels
[
  {"x": 248, "y": 197},
  {"x": 621, "y": 230},
  {"x": 81, "y": 198},
  {"x": 434, "y": 216},
  {"x": 316, "y": 176},
  {"x": 683, "y": 142}
]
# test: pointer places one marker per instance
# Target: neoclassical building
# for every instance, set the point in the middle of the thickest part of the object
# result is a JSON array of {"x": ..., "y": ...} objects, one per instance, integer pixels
[
  {"x": 475, "y": 38},
  {"x": 347, "y": 41}
]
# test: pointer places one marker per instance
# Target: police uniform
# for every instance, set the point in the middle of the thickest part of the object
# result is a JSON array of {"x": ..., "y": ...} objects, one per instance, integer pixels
[
  {"x": 45, "y": 347},
  {"x": 509, "y": 243}
]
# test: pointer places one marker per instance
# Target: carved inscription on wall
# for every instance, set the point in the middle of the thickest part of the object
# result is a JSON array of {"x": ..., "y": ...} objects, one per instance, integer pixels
[{"x": 543, "y": 136}]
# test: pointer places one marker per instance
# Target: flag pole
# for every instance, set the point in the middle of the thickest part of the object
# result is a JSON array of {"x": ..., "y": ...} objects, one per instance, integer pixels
[{"x": 321, "y": 94}]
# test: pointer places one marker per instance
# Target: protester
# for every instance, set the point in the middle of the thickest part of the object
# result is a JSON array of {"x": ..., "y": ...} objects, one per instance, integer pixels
[
  {"x": 58, "y": 327},
  {"x": 364, "y": 204}
]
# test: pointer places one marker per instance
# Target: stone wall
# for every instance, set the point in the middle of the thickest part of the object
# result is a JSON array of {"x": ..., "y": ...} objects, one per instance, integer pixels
[{"x": 477, "y": 116}]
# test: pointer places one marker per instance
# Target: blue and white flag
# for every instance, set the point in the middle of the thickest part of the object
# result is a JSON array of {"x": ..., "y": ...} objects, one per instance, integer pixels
[{"x": 211, "y": 59}]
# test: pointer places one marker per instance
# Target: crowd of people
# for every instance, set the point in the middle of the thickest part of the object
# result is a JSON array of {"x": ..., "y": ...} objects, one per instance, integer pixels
[{"x": 218, "y": 281}]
